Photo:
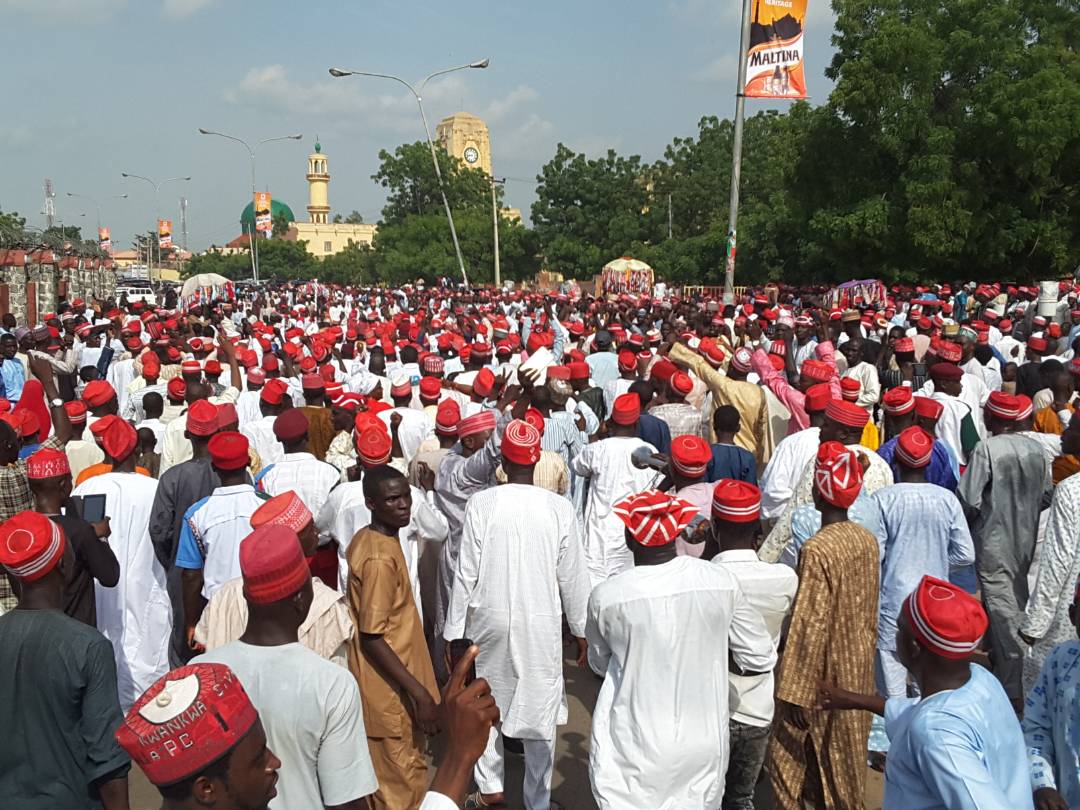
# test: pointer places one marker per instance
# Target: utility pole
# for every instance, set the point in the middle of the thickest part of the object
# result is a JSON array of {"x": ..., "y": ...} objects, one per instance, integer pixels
[
  {"x": 183, "y": 223},
  {"x": 736, "y": 158},
  {"x": 49, "y": 209},
  {"x": 495, "y": 228}
]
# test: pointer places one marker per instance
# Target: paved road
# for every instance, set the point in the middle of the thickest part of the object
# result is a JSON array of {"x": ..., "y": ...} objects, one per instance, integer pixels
[{"x": 570, "y": 784}]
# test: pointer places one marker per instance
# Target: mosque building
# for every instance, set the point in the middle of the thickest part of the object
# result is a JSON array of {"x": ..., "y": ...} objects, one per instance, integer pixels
[{"x": 463, "y": 135}]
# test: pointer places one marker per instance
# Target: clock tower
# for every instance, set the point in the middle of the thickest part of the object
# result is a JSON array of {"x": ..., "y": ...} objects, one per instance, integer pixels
[{"x": 465, "y": 136}]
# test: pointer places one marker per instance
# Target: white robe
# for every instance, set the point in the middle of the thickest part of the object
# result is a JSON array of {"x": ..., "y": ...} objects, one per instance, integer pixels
[
  {"x": 661, "y": 635},
  {"x": 519, "y": 568},
  {"x": 136, "y": 615},
  {"x": 782, "y": 473},
  {"x": 612, "y": 477}
]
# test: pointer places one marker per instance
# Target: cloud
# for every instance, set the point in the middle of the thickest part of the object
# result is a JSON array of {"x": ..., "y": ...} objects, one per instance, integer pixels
[
  {"x": 13, "y": 137},
  {"x": 722, "y": 69},
  {"x": 56, "y": 11},
  {"x": 500, "y": 109},
  {"x": 349, "y": 101},
  {"x": 179, "y": 9},
  {"x": 707, "y": 12},
  {"x": 528, "y": 140}
]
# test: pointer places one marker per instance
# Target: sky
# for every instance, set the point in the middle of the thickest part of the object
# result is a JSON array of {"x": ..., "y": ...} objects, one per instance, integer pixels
[{"x": 94, "y": 88}]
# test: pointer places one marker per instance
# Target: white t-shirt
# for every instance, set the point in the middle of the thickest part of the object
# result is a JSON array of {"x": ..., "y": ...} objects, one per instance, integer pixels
[{"x": 313, "y": 718}]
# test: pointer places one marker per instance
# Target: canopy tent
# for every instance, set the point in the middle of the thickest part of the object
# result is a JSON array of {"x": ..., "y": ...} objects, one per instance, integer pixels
[
  {"x": 627, "y": 275},
  {"x": 207, "y": 287},
  {"x": 863, "y": 293}
]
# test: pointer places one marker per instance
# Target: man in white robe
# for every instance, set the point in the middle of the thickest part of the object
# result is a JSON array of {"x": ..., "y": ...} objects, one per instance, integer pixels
[
  {"x": 136, "y": 615},
  {"x": 612, "y": 476},
  {"x": 792, "y": 454},
  {"x": 519, "y": 568},
  {"x": 662, "y": 635}
]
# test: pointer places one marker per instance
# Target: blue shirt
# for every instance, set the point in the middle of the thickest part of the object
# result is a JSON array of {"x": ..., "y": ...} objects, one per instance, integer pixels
[
  {"x": 806, "y": 522},
  {"x": 957, "y": 750},
  {"x": 925, "y": 533},
  {"x": 603, "y": 368},
  {"x": 14, "y": 378},
  {"x": 940, "y": 470},
  {"x": 729, "y": 461},
  {"x": 1052, "y": 724},
  {"x": 655, "y": 431}
]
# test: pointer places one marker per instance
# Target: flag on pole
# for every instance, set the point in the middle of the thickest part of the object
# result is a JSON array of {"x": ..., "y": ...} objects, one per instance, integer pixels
[
  {"x": 264, "y": 222},
  {"x": 774, "y": 60},
  {"x": 104, "y": 242},
  {"x": 164, "y": 230}
]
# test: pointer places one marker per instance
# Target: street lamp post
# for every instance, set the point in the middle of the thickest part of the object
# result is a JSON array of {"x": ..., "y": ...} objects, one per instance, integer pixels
[
  {"x": 97, "y": 205},
  {"x": 251, "y": 153},
  {"x": 149, "y": 244},
  {"x": 337, "y": 73},
  {"x": 495, "y": 226}
]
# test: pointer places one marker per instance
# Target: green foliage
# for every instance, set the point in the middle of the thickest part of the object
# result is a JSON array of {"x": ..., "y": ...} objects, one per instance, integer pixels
[
  {"x": 70, "y": 233},
  {"x": 11, "y": 221},
  {"x": 590, "y": 211},
  {"x": 420, "y": 245},
  {"x": 408, "y": 175},
  {"x": 280, "y": 225},
  {"x": 355, "y": 218},
  {"x": 949, "y": 148}
]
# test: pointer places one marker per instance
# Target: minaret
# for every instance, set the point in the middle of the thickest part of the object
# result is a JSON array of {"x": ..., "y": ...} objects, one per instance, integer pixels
[{"x": 318, "y": 186}]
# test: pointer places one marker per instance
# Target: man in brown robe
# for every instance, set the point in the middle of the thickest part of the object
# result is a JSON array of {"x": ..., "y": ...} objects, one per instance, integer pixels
[{"x": 821, "y": 755}]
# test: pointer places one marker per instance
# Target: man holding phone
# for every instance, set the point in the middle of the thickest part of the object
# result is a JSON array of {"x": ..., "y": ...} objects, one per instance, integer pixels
[{"x": 90, "y": 558}]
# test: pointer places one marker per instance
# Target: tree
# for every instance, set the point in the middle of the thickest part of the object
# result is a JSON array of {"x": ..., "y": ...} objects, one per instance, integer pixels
[
  {"x": 588, "y": 212},
  {"x": 412, "y": 187},
  {"x": 355, "y": 218},
  {"x": 418, "y": 246},
  {"x": 949, "y": 146},
  {"x": 11, "y": 221},
  {"x": 280, "y": 225},
  {"x": 70, "y": 233}
]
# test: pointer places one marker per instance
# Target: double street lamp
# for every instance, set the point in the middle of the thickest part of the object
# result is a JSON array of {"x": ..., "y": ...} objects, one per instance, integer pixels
[
  {"x": 156, "y": 186},
  {"x": 338, "y": 73},
  {"x": 97, "y": 205},
  {"x": 251, "y": 153}
]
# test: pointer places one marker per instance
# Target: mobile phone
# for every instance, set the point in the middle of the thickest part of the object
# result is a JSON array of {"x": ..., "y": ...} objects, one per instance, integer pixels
[
  {"x": 93, "y": 508},
  {"x": 458, "y": 648}
]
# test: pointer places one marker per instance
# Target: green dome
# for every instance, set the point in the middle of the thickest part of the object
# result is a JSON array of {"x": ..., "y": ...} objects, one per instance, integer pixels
[{"x": 277, "y": 208}]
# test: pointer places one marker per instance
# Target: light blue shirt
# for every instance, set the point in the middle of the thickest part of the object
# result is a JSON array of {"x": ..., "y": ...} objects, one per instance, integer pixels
[
  {"x": 14, "y": 379},
  {"x": 956, "y": 750},
  {"x": 603, "y": 367},
  {"x": 806, "y": 522},
  {"x": 1052, "y": 724},
  {"x": 925, "y": 532}
]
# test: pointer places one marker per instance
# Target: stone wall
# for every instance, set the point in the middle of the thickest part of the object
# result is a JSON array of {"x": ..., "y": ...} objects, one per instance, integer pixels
[{"x": 33, "y": 282}]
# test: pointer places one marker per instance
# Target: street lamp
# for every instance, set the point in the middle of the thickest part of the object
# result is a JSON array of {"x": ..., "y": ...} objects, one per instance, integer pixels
[
  {"x": 97, "y": 205},
  {"x": 338, "y": 73},
  {"x": 251, "y": 153},
  {"x": 63, "y": 236},
  {"x": 157, "y": 186}
]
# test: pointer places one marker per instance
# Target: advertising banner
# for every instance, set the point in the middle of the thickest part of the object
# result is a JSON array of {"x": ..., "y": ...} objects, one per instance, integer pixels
[
  {"x": 103, "y": 240},
  {"x": 774, "y": 61},
  {"x": 264, "y": 222},
  {"x": 164, "y": 230}
]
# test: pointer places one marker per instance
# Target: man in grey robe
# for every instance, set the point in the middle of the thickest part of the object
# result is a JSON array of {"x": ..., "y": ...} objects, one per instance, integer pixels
[{"x": 1003, "y": 489}]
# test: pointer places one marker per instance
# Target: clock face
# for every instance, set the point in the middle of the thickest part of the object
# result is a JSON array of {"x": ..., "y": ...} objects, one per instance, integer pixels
[{"x": 471, "y": 155}]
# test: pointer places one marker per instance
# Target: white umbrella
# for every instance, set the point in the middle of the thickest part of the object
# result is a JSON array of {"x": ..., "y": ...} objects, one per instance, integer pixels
[
  {"x": 626, "y": 263},
  {"x": 202, "y": 280}
]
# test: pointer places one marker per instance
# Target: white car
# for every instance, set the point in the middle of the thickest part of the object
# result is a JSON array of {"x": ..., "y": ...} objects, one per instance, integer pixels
[{"x": 138, "y": 292}]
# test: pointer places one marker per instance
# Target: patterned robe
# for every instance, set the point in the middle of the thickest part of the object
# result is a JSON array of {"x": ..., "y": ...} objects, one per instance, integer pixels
[
  {"x": 832, "y": 638},
  {"x": 1046, "y": 617}
]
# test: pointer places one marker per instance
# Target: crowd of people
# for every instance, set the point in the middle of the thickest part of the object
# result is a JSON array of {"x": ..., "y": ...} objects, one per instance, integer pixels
[{"x": 278, "y": 549}]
